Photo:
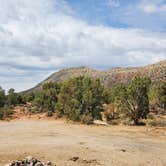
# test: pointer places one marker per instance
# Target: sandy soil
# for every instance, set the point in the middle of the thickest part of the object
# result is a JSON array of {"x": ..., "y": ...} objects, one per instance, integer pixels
[{"x": 59, "y": 141}]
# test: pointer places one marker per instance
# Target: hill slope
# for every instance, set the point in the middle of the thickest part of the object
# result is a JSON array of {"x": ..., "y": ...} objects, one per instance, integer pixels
[{"x": 110, "y": 77}]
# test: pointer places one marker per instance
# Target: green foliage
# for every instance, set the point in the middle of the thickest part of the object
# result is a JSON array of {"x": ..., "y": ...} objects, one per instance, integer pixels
[
  {"x": 81, "y": 96},
  {"x": 47, "y": 99},
  {"x": 35, "y": 109},
  {"x": 132, "y": 101},
  {"x": 1, "y": 114},
  {"x": 2, "y": 97},
  {"x": 39, "y": 101},
  {"x": 29, "y": 97},
  {"x": 5, "y": 112},
  {"x": 162, "y": 94},
  {"x": 158, "y": 94},
  {"x": 7, "y": 102},
  {"x": 117, "y": 92},
  {"x": 12, "y": 98},
  {"x": 82, "y": 99}
]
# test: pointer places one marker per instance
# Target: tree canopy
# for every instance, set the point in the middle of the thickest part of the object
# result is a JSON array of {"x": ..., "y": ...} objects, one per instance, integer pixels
[
  {"x": 81, "y": 96},
  {"x": 132, "y": 100}
]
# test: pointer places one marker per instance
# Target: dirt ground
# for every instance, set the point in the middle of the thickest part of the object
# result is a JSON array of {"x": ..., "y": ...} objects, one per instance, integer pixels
[{"x": 59, "y": 141}]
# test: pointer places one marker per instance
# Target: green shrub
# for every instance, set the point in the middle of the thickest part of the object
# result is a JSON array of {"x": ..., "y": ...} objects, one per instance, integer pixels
[
  {"x": 132, "y": 101},
  {"x": 2, "y": 97},
  {"x": 81, "y": 95},
  {"x": 12, "y": 98},
  {"x": 47, "y": 98},
  {"x": 5, "y": 112},
  {"x": 157, "y": 95},
  {"x": 1, "y": 114},
  {"x": 36, "y": 109}
]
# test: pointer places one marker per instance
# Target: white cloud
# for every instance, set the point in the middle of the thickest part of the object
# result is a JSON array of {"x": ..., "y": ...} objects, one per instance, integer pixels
[
  {"x": 38, "y": 37},
  {"x": 153, "y": 6}
]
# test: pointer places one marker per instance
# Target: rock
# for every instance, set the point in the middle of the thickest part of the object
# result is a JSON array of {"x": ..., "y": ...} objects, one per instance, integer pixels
[
  {"x": 74, "y": 158},
  {"x": 16, "y": 163},
  {"x": 13, "y": 163},
  {"x": 123, "y": 150},
  {"x": 39, "y": 164},
  {"x": 10, "y": 164},
  {"x": 48, "y": 163},
  {"x": 34, "y": 161},
  {"x": 29, "y": 161},
  {"x": 99, "y": 122}
]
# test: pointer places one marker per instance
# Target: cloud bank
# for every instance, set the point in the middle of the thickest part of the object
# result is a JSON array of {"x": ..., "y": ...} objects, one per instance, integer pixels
[{"x": 39, "y": 37}]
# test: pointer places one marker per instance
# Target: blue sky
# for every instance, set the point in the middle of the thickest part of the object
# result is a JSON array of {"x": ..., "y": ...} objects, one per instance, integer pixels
[
  {"x": 122, "y": 13},
  {"x": 40, "y": 37}
]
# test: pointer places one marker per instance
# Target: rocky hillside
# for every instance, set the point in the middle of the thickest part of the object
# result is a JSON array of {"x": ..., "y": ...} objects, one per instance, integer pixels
[{"x": 110, "y": 77}]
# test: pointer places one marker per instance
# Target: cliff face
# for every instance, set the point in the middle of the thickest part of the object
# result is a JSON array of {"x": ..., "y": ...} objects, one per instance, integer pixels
[{"x": 110, "y": 77}]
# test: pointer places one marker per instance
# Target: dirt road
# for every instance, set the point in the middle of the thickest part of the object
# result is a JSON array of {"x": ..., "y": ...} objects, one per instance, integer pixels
[{"x": 59, "y": 142}]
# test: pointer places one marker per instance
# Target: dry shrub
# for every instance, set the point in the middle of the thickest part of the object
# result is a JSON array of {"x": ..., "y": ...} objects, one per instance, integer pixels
[
  {"x": 110, "y": 112},
  {"x": 49, "y": 114},
  {"x": 150, "y": 116},
  {"x": 87, "y": 119},
  {"x": 114, "y": 122},
  {"x": 127, "y": 121},
  {"x": 156, "y": 122}
]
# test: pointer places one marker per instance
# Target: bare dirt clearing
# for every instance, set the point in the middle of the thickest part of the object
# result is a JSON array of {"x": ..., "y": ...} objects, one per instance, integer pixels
[{"x": 80, "y": 145}]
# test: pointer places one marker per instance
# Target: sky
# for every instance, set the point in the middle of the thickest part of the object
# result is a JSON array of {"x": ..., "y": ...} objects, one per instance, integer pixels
[{"x": 39, "y": 37}]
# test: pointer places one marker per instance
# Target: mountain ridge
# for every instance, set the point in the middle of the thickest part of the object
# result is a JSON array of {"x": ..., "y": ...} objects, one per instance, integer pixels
[{"x": 157, "y": 72}]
